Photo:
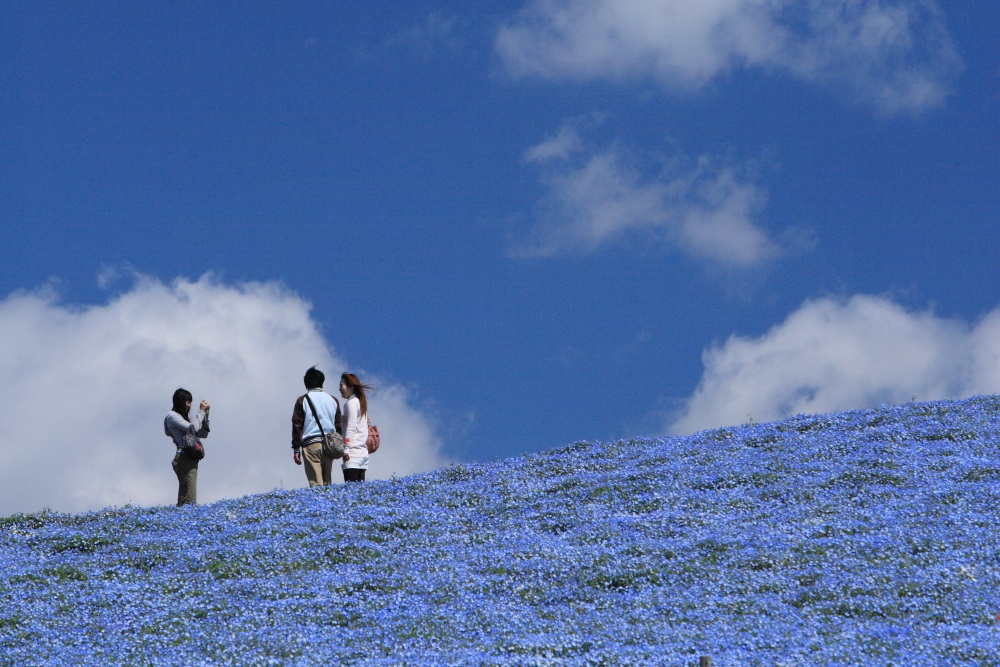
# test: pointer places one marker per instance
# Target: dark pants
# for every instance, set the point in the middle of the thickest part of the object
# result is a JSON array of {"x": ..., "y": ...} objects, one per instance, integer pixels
[
  {"x": 354, "y": 475},
  {"x": 186, "y": 470}
]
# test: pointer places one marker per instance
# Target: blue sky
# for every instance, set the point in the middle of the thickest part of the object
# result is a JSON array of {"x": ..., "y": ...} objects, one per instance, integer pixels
[{"x": 526, "y": 223}]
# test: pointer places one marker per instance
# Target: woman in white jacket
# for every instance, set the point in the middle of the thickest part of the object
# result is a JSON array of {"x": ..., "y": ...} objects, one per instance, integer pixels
[
  {"x": 177, "y": 425},
  {"x": 355, "y": 424}
]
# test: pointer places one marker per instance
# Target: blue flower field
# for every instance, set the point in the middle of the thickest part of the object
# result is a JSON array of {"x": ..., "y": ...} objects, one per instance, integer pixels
[{"x": 867, "y": 537}]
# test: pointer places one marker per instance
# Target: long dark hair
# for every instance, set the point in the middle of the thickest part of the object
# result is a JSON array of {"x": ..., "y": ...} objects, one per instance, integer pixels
[
  {"x": 181, "y": 398},
  {"x": 352, "y": 381}
]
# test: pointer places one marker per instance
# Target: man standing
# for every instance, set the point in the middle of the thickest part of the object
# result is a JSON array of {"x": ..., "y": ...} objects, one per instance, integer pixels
[{"x": 306, "y": 433}]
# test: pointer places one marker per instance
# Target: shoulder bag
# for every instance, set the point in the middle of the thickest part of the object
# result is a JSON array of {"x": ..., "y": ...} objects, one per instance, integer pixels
[
  {"x": 333, "y": 442},
  {"x": 193, "y": 449},
  {"x": 373, "y": 440}
]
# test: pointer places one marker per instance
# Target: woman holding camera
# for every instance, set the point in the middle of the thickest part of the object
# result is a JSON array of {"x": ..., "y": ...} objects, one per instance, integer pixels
[{"x": 185, "y": 434}]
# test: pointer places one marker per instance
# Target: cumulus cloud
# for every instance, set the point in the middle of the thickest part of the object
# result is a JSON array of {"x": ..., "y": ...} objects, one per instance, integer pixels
[
  {"x": 596, "y": 197},
  {"x": 86, "y": 388},
  {"x": 893, "y": 54},
  {"x": 839, "y": 354}
]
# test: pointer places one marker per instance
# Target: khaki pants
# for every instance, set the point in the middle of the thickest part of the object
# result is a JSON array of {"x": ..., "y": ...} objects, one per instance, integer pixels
[
  {"x": 187, "y": 479},
  {"x": 318, "y": 467}
]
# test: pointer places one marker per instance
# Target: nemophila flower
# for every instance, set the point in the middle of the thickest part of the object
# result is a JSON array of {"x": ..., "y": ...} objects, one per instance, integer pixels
[{"x": 816, "y": 540}]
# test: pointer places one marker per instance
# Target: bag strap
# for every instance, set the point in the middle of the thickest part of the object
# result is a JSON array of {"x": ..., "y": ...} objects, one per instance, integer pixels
[{"x": 316, "y": 417}]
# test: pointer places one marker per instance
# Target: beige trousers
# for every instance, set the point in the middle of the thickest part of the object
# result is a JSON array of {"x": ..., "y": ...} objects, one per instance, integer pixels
[
  {"x": 318, "y": 467},
  {"x": 187, "y": 479}
]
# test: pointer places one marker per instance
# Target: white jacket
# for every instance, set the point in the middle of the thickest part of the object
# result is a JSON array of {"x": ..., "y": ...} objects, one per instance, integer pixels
[{"x": 355, "y": 434}]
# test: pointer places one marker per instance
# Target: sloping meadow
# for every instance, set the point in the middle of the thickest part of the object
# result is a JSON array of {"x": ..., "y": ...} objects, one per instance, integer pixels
[{"x": 862, "y": 537}]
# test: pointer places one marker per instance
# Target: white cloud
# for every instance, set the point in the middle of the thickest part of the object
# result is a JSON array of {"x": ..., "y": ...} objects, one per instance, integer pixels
[
  {"x": 893, "y": 54},
  {"x": 597, "y": 197},
  {"x": 562, "y": 146},
  {"x": 435, "y": 33},
  {"x": 86, "y": 388},
  {"x": 839, "y": 354}
]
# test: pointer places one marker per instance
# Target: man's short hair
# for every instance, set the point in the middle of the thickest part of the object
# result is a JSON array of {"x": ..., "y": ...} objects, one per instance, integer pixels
[{"x": 314, "y": 378}]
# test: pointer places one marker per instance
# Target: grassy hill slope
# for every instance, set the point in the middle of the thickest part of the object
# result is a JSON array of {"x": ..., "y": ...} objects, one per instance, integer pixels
[{"x": 868, "y": 537}]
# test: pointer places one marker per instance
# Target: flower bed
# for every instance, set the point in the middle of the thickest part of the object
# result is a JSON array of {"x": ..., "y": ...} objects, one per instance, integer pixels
[{"x": 867, "y": 536}]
